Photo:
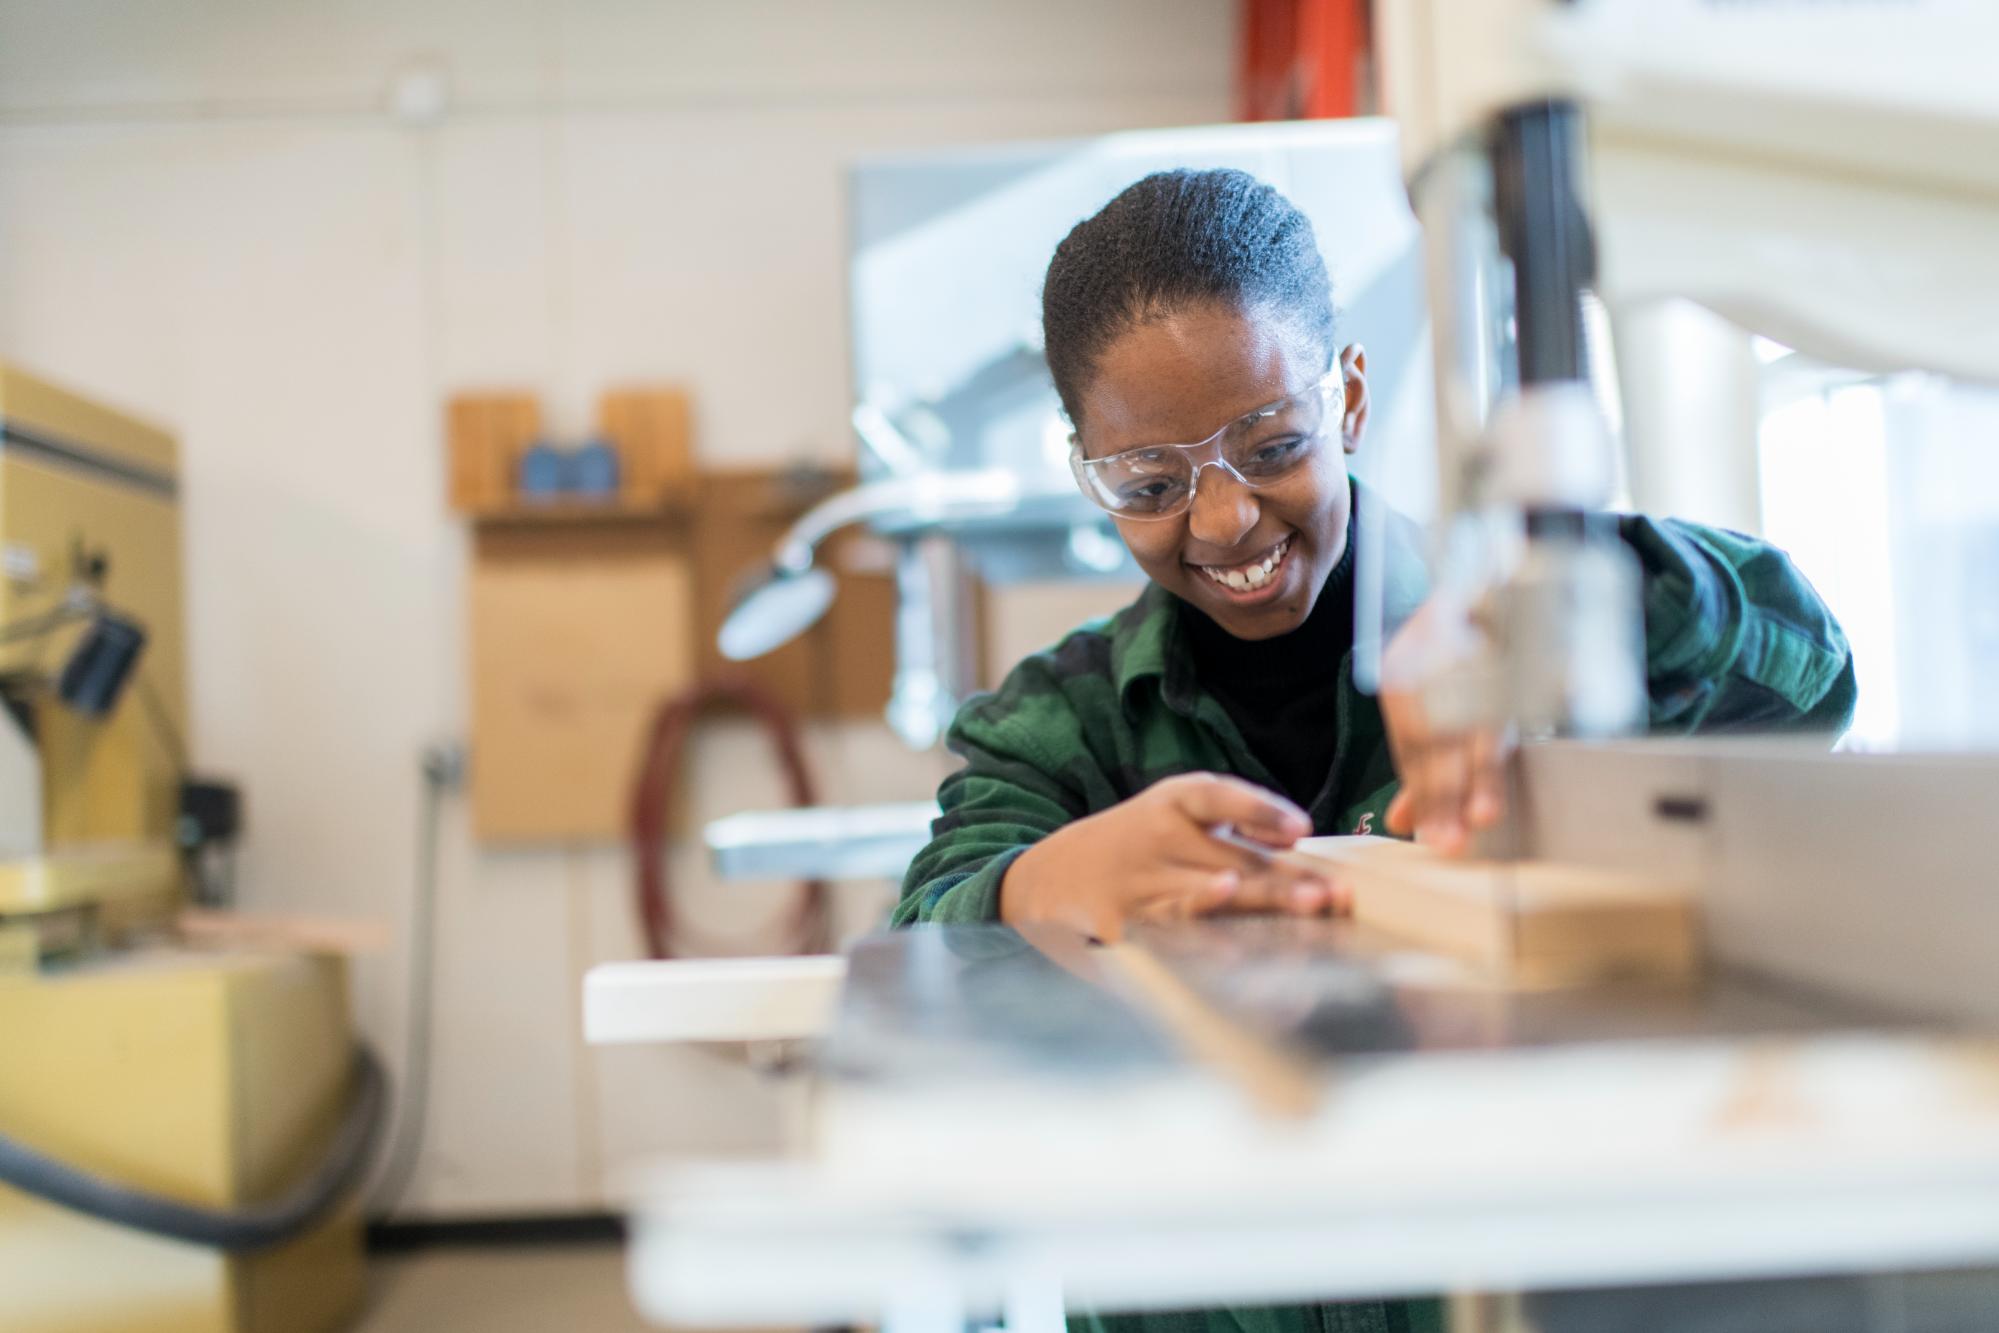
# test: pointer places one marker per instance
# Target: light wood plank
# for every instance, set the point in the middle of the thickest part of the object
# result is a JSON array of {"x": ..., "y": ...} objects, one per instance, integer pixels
[{"x": 1529, "y": 923}]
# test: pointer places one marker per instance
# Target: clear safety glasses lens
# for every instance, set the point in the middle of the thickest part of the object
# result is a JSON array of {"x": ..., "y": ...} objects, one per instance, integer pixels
[{"x": 1157, "y": 481}]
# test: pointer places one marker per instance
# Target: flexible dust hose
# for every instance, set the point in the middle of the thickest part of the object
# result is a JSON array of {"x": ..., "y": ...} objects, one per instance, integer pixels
[
  {"x": 443, "y": 768},
  {"x": 255, "y": 1227},
  {"x": 659, "y": 769}
]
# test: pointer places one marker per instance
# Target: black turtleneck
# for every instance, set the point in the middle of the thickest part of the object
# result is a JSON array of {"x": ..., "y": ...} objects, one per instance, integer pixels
[{"x": 1283, "y": 693}]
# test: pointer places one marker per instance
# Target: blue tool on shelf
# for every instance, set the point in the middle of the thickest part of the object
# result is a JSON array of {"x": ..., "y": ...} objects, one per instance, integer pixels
[
  {"x": 544, "y": 474},
  {"x": 593, "y": 471}
]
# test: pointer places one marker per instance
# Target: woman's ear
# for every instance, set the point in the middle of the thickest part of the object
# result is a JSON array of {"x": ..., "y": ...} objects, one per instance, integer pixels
[{"x": 1353, "y": 371}]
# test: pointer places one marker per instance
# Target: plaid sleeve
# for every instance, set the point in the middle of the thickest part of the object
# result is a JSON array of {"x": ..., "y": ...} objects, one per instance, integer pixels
[
  {"x": 1020, "y": 748},
  {"x": 1735, "y": 637}
]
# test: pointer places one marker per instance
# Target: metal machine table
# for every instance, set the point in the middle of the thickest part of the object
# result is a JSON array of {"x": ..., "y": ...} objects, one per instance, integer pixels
[{"x": 1270, "y": 1111}]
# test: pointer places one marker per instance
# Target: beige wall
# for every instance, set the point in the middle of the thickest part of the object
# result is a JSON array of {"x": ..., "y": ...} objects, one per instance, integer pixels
[{"x": 208, "y": 215}]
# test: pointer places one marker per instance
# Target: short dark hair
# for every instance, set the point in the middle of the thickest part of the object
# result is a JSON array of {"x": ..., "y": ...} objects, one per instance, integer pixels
[{"x": 1172, "y": 240}]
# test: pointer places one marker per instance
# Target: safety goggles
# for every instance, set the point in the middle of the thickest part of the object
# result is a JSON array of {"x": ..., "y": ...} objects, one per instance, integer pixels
[{"x": 1257, "y": 448}]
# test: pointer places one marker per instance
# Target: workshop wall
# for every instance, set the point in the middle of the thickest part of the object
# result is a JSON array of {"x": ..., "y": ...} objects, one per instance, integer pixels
[{"x": 289, "y": 230}]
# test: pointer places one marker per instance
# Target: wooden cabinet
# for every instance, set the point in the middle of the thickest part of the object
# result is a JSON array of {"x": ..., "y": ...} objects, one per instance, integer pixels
[{"x": 583, "y": 616}]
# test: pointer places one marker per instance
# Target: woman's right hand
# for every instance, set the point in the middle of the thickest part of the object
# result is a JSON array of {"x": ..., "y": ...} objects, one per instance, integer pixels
[{"x": 1154, "y": 858}]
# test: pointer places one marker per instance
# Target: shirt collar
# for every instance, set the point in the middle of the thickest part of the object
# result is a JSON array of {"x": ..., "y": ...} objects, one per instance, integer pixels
[{"x": 1146, "y": 645}]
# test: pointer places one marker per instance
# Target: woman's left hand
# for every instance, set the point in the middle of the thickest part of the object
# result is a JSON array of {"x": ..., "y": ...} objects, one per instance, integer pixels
[{"x": 1452, "y": 767}]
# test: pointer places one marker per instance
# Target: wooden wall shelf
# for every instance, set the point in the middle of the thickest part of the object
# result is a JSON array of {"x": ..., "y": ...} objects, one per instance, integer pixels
[
  {"x": 584, "y": 614},
  {"x": 580, "y": 512}
]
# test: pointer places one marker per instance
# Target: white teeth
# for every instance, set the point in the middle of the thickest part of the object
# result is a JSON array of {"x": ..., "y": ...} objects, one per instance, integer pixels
[{"x": 1246, "y": 577}]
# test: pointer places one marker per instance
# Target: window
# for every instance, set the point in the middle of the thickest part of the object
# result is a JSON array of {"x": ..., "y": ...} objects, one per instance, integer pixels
[{"x": 1885, "y": 490}]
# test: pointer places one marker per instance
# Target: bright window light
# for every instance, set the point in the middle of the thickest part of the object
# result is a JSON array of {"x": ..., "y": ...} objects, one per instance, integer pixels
[
  {"x": 1886, "y": 494},
  {"x": 1824, "y": 482}
]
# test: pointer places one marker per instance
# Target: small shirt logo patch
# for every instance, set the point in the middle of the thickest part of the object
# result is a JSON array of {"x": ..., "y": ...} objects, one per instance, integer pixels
[{"x": 1366, "y": 824}]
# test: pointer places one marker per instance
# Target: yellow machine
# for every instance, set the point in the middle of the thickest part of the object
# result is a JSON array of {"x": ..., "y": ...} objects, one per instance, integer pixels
[
  {"x": 89, "y": 529},
  {"x": 204, "y": 1081}
]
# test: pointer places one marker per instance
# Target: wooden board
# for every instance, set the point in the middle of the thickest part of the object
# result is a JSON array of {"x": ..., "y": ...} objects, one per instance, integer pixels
[
  {"x": 843, "y": 666},
  {"x": 486, "y": 435},
  {"x": 652, "y": 428},
  {"x": 856, "y": 641},
  {"x": 1274, "y": 1078},
  {"x": 583, "y": 618},
  {"x": 1529, "y": 923},
  {"x": 265, "y": 932},
  {"x": 577, "y": 632}
]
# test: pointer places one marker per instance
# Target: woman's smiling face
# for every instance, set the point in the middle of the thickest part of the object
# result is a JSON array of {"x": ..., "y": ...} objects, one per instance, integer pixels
[{"x": 1183, "y": 376}]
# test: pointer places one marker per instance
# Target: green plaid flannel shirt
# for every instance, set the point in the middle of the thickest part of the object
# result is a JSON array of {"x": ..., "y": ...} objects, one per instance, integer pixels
[{"x": 1735, "y": 639}]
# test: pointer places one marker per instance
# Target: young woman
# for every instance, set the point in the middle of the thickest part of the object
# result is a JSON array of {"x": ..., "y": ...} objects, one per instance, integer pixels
[
  {"x": 1196, "y": 308},
  {"x": 1189, "y": 330}
]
